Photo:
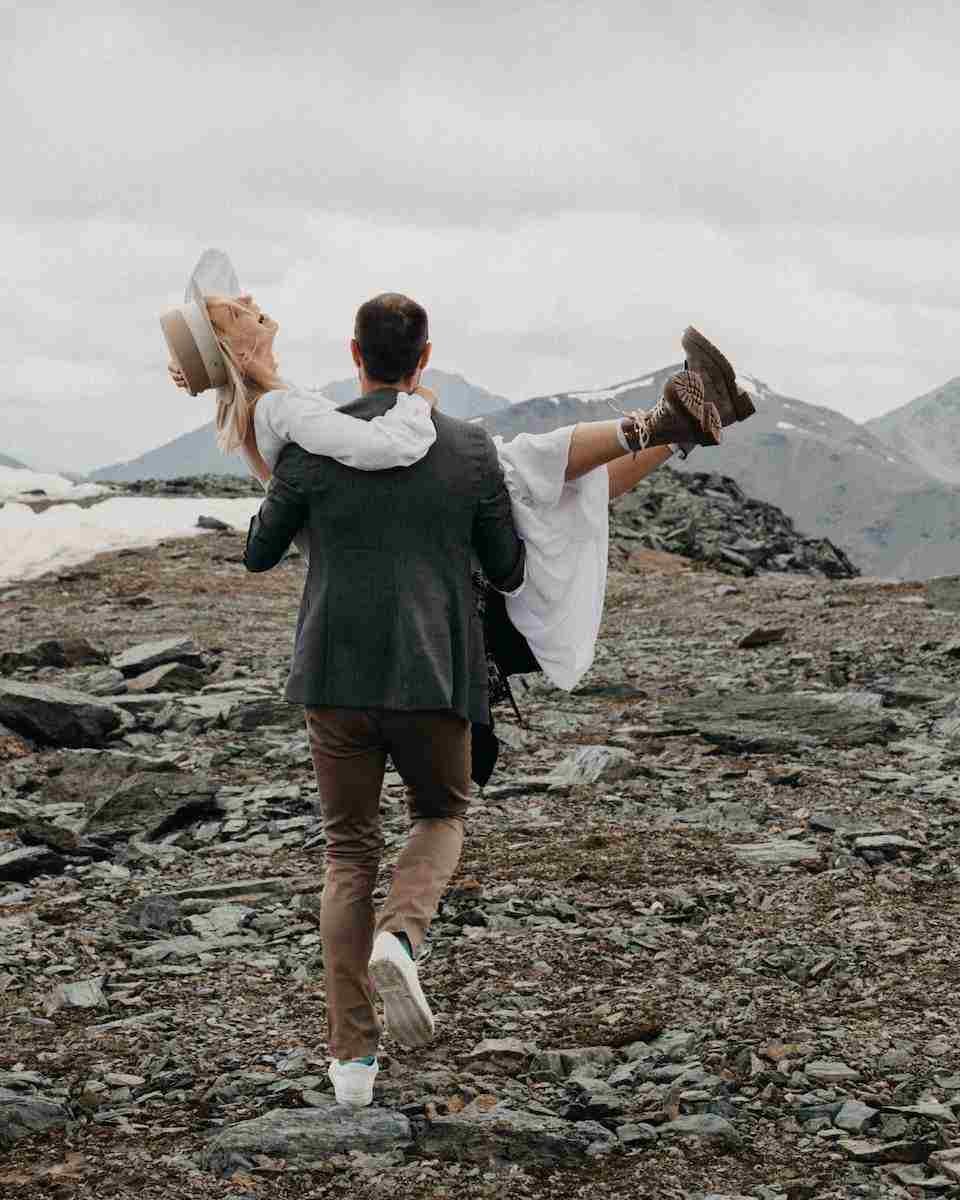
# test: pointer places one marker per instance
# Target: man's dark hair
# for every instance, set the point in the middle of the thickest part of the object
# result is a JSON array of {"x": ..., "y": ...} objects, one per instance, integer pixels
[{"x": 391, "y": 331}]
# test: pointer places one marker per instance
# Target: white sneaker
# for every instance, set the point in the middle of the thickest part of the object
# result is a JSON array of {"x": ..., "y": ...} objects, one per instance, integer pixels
[
  {"x": 353, "y": 1082},
  {"x": 405, "y": 1007}
]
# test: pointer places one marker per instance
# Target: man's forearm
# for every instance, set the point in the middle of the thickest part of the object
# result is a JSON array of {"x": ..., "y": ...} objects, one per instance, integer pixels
[{"x": 281, "y": 516}]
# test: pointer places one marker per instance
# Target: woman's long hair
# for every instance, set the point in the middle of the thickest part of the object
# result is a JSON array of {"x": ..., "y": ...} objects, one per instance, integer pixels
[{"x": 238, "y": 399}]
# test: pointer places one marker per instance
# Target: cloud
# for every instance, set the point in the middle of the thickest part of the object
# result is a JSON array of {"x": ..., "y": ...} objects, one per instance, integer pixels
[{"x": 565, "y": 185}]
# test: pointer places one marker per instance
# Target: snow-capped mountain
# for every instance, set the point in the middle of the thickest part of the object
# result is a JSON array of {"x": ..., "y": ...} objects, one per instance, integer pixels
[
  {"x": 835, "y": 478},
  {"x": 196, "y": 453}
]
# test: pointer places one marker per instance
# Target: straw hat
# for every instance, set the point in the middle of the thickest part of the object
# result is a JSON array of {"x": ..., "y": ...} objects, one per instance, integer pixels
[{"x": 190, "y": 336}]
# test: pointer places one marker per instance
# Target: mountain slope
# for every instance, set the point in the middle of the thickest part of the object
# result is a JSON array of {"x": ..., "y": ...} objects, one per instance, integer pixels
[
  {"x": 835, "y": 478},
  {"x": 5, "y": 461},
  {"x": 196, "y": 453},
  {"x": 926, "y": 431}
]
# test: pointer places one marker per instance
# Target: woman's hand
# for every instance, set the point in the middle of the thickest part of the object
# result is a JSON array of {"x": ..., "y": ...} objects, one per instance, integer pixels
[
  {"x": 177, "y": 376},
  {"x": 428, "y": 394}
]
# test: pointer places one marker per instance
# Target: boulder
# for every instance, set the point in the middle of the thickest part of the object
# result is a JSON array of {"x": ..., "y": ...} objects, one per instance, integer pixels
[
  {"x": 311, "y": 1133},
  {"x": 55, "y": 716},
  {"x": 20, "y": 866},
  {"x": 150, "y": 804},
  {"x": 496, "y": 1136}
]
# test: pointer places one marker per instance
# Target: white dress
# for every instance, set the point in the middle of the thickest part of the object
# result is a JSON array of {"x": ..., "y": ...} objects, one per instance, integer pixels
[{"x": 563, "y": 525}]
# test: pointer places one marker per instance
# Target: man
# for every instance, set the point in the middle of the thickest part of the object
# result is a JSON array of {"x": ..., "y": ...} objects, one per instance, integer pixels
[{"x": 388, "y": 659}]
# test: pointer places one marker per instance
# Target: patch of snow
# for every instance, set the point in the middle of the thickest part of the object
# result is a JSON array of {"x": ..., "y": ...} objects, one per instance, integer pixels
[
  {"x": 16, "y": 482},
  {"x": 66, "y": 535},
  {"x": 889, "y": 459},
  {"x": 785, "y": 425},
  {"x": 612, "y": 393}
]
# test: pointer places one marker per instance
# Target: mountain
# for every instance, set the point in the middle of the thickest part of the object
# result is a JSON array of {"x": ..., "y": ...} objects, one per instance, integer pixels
[
  {"x": 196, "y": 453},
  {"x": 835, "y": 478},
  {"x": 926, "y": 431},
  {"x": 12, "y": 462}
]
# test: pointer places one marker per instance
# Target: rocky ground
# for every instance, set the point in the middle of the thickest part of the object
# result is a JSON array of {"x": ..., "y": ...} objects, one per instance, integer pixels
[{"x": 702, "y": 942}]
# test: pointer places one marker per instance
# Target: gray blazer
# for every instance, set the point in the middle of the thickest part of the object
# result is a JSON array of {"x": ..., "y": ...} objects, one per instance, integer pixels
[{"x": 387, "y": 618}]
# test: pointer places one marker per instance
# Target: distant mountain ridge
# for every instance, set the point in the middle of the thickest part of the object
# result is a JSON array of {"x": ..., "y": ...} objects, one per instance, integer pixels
[
  {"x": 926, "y": 431},
  {"x": 196, "y": 453},
  {"x": 835, "y": 478},
  {"x": 5, "y": 461}
]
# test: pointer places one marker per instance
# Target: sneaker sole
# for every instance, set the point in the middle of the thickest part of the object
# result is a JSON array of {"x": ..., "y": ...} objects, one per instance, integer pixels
[
  {"x": 693, "y": 339},
  {"x": 408, "y": 1017}
]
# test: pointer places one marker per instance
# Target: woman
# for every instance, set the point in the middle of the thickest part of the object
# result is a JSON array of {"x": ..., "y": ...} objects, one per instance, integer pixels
[{"x": 560, "y": 496}]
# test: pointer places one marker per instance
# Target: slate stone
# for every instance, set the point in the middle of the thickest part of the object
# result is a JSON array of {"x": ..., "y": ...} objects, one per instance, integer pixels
[
  {"x": 21, "y": 1116},
  {"x": 53, "y": 652},
  {"x": 865, "y": 1150},
  {"x": 221, "y": 921},
  {"x": 704, "y": 1125},
  {"x": 854, "y": 1116},
  {"x": 85, "y": 993},
  {"x": 591, "y": 764},
  {"x": 775, "y": 854},
  {"x": 276, "y": 885},
  {"x": 171, "y": 677},
  {"x": 825, "y": 1070},
  {"x": 310, "y": 1133},
  {"x": 762, "y": 636},
  {"x": 500, "y": 1135},
  {"x": 765, "y": 723},
  {"x": 509, "y": 1050},
  {"x": 636, "y": 1134},
  {"x": 27, "y": 863},
  {"x": 150, "y": 804},
  {"x": 264, "y": 711},
  {"x": 157, "y": 914},
  {"x": 56, "y": 716},
  {"x": 885, "y": 843},
  {"x": 147, "y": 655}
]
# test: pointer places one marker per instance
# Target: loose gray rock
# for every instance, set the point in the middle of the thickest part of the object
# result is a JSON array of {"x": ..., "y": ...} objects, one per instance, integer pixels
[
  {"x": 507, "y": 1050},
  {"x": 53, "y": 652},
  {"x": 85, "y": 993},
  {"x": 22, "y": 1115},
  {"x": 775, "y": 854},
  {"x": 56, "y": 716},
  {"x": 20, "y": 866},
  {"x": 221, "y": 921},
  {"x": 854, "y": 1116},
  {"x": 146, "y": 655},
  {"x": 500, "y": 1135},
  {"x": 171, "y": 677},
  {"x": 766, "y": 723},
  {"x": 864, "y": 1150},
  {"x": 704, "y": 1125},
  {"x": 590, "y": 764},
  {"x": 825, "y": 1070},
  {"x": 309, "y": 1133},
  {"x": 158, "y": 914}
]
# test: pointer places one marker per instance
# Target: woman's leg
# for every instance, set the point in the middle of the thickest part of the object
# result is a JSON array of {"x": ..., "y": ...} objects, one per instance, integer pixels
[
  {"x": 627, "y": 471},
  {"x": 681, "y": 415}
]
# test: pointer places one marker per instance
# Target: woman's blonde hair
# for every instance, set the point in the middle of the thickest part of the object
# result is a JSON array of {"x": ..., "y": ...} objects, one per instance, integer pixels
[{"x": 238, "y": 399}]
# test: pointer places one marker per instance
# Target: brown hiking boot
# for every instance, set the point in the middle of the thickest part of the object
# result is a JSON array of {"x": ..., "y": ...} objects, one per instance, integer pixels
[
  {"x": 719, "y": 378},
  {"x": 681, "y": 415}
]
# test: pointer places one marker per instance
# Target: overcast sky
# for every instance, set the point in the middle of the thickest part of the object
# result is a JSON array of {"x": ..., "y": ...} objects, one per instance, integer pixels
[{"x": 563, "y": 185}]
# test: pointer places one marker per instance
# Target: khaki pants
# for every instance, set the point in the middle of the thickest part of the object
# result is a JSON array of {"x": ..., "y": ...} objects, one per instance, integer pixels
[{"x": 349, "y": 747}]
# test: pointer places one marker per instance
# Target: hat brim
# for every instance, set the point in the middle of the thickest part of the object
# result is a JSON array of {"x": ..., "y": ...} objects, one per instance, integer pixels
[{"x": 189, "y": 332}]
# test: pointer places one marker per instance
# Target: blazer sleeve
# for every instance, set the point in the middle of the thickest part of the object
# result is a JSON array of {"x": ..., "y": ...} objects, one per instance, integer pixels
[
  {"x": 282, "y": 515},
  {"x": 495, "y": 539}
]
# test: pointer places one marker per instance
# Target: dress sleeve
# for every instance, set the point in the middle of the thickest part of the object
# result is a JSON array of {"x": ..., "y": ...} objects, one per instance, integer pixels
[{"x": 399, "y": 438}]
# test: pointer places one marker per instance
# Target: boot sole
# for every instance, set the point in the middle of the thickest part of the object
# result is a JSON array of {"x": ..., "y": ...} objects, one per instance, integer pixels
[
  {"x": 693, "y": 339},
  {"x": 407, "y": 1014},
  {"x": 680, "y": 393}
]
